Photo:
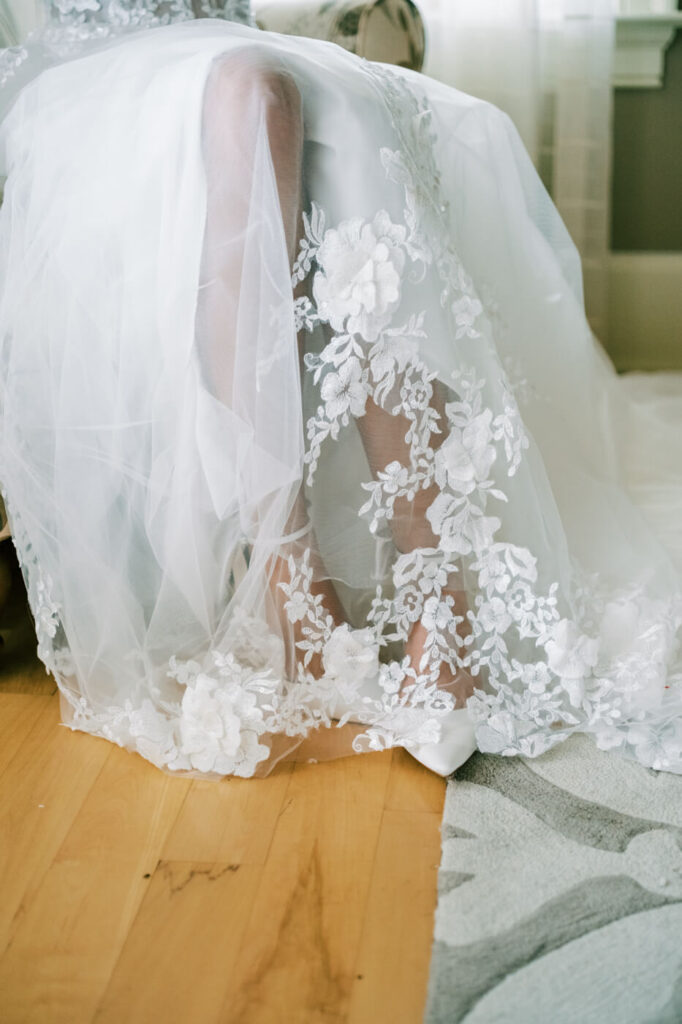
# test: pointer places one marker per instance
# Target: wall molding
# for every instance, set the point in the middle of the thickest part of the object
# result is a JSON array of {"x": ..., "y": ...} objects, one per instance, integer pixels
[
  {"x": 645, "y": 310},
  {"x": 641, "y": 43}
]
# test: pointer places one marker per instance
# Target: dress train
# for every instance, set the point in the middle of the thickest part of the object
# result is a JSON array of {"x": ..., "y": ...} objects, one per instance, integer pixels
[{"x": 358, "y": 351}]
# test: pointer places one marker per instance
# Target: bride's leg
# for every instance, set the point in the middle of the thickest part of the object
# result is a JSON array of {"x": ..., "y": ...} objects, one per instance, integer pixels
[
  {"x": 245, "y": 93},
  {"x": 383, "y": 436}
]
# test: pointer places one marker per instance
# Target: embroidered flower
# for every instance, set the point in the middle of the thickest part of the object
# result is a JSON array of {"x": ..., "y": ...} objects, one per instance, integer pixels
[
  {"x": 394, "y": 478},
  {"x": 493, "y": 573},
  {"x": 416, "y": 395},
  {"x": 432, "y": 576},
  {"x": 216, "y": 718},
  {"x": 425, "y": 567},
  {"x": 351, "y": 653},
  {"x": 535, "y": 676},
  {"x": 526, "y": 611},
  {"x": 659, "y": 748},
  {"x": 608, "y": 736},
  {"x": 404, "y": 726},
  {"x": 209, "y": 727},
  {"x": 392, "y": 352},
  {"x": 183, "y": 671},
  {"x": 357, "y": 287},
  {"x": 153, "y": 733},
  {"x": 460, "y": 527},
  {"x": 296, "y": 607},
  {"x": 466, "y": 311},
  {"x": 437, "y": 614},
  {"x": 408, "y": 602},
  {"x": 570, "y": 653},
  {"x": 344, "y": 391},
  {"x": 46, "y": 611},
  {"x": 71, "y": 7},
  {"x": 493, "y": 616},
  {"x": 496, "y": 734},
  {"x": 391, "y": 677},
  {"x": 11, "y": 59},
  {"x": 465, "y": 458}
]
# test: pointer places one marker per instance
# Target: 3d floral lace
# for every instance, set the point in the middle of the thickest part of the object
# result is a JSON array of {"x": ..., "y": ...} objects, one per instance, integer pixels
[
  {"x": 548, "y": 657},
  {"x": 71, "y": 24}
]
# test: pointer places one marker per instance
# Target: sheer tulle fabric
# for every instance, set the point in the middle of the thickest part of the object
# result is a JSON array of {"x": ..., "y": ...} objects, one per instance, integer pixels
[{"x": 305, "y": 438}]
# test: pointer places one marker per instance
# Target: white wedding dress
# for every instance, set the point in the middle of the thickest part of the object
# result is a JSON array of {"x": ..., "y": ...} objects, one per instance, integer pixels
[{"x": 294, "y": 486}]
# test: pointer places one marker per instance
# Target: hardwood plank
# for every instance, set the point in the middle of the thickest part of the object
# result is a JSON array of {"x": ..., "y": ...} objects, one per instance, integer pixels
[
  {"x": 411, "y": 787},
  {"x": 71, "y": 932},
  {"x": 41, "y": 792},
  {"x": 228, "y": 821},
  {"x": 19, "y": 714},
  {"x": 177, "y": 959},
  {"x": 392, "y": 968},
  {"x": 270, "y": 898},
  {"x": 298, "y": 952}
]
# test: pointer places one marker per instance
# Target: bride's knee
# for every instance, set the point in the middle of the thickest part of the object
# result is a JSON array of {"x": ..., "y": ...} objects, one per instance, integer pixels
[{"x": 244, "y": 84}]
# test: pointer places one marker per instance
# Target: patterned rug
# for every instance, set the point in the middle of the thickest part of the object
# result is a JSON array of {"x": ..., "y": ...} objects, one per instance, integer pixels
[{"x": 560, "y": 893}]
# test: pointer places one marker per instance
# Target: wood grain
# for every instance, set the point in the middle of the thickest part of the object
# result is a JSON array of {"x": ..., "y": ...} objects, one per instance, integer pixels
[
  {"x": 178, "y": 958},
  {"x": 43, "y": 788},
  {"x": 127, "y": 895},
  {"x": 69, "y": 935},
  {"x": 309, "y": 908},
  {"x": 394, "y": 955}
]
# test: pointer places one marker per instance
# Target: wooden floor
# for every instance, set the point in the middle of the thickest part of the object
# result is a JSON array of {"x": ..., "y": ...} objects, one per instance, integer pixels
[{"x": 129, "y": 896}]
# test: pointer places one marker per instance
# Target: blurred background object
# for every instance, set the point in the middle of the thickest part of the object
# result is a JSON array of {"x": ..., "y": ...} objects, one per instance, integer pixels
[
  {"x": 391, "y": 31},
  {"x": 18, "y": 18},
  {"x": 547, "y": 63},
  {"x": 595, "y": 89}
]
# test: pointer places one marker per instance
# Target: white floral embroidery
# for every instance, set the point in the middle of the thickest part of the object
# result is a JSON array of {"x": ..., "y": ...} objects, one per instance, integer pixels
[
  {"x": 344, "y": 391},
  {"x": 547, "y": 659},
  {"x": 464, "y": 461},
  {"x": 573, "y": 678},
  {"x": 215, "y": 728},
  {"x": 357, "y": 287},
  {"x": 569, "y": 653},
  {"x": 66, "y": 8},
  {"x": 351, "y": 656},
  {"x": 466, "y": 312},
  {"x": 220, "y": 720},
  {"x": 11, "y": 60},
  {"x": 658, "y": 749},
  {"x": 71, "y": 24}
]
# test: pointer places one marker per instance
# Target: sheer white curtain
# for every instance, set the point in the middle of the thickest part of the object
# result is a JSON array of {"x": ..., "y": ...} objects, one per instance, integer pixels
[
  {"x": 17, "y": 19},
  {"x": 547, "y": 63}
]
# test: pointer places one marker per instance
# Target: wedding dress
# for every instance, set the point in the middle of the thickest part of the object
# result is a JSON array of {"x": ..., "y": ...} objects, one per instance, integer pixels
[{"x": 305, "y": 442}]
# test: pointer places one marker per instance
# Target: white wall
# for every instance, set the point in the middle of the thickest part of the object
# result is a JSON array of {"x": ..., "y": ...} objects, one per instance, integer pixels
[{"x": 645, "y": 310}]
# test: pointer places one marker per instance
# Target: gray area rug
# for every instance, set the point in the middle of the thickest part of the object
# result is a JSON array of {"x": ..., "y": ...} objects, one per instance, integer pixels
[{"x": 559, "y": 892}]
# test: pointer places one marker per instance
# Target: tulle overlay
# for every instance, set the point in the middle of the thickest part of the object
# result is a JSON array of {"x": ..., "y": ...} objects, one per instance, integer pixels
[{"x": 236, "y": 368}]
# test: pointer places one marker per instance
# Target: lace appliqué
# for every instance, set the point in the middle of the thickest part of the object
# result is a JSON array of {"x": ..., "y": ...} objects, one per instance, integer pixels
[
  {"x": 72, "y": 24},
  {"x": 11, "y": 60},
  {"x": 214, "y": 727},
  {"x": 573, "y": 674}
]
